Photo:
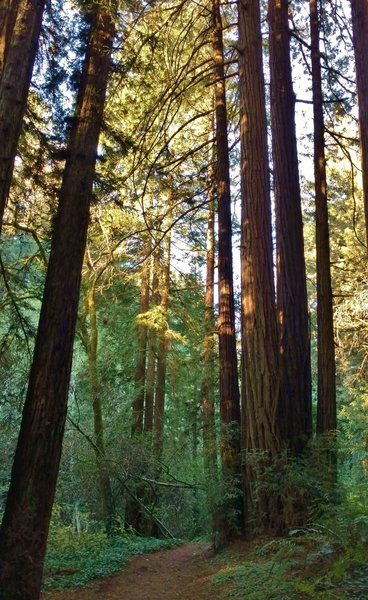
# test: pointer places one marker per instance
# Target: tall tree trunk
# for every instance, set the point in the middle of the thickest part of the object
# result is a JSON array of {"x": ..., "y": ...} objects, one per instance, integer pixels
[
  {"x": 326, "y": 407},
  {"x": 20, "y": 43},
  {"x": 142, "y": 331},
  {"x": 106, "y": 494},
  {"x": 292, "y": 304},
  {"x": 159, "y": 412},
  {"x": 8, "y": 15},
  {"x": 24, "y": 529},
  {"x": 143, "y": 384},
  {"x": 260, "y": 390},
  {"x": 229, "y": 385},
  {"x": 208, "y": 399},
  {"x": 359, "y": 14}
]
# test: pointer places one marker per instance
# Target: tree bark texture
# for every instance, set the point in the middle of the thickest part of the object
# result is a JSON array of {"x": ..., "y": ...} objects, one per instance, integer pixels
[
  {"x": 326, "y": 406},
  {"x": 19, "y": 42},
  {"x": 25, "y": 525},
  {"x": 292, "y": 303},
  {"x": 229, "y": 386},
  {"x": 359, "y": 14},
  {"x": 260, "y": 377},
  {"x": 8, "y": 15}
]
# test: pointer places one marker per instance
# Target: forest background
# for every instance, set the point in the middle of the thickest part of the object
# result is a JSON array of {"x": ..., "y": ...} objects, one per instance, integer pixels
[{"x": 195, "y": 406}]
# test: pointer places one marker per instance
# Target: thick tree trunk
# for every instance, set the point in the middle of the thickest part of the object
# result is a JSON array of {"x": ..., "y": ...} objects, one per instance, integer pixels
[
  {"x": 106, "y": 494},
  {"x": 292, "y": 304},
  {"x": 359, "y": 14},
  {"x": 229, "y": 385},
  {"x": 261, "y": 385},
  {"x": 142, "y": 331},
  {"x": 19, "y": 39},
  {"x": 8, "y": 15},
  {"x": 326, "y": 407},
  {"x": 25, "y": 525}
]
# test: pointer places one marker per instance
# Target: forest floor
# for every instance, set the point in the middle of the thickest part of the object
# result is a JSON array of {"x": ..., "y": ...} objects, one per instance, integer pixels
[
  {"x": 304, "y": 568},
  {"x": 182, "y": 572}
]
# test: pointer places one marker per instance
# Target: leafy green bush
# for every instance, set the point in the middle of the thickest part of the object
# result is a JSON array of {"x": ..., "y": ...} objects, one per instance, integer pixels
[{"x": 75, "y": 559}]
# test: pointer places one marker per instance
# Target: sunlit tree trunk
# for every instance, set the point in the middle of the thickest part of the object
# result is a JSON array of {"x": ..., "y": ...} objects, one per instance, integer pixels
[
  {"x": 326, "y": 407},
  {"x": 24, "y": 529},
  {"x": 142, "y": 332},
  {"x": 292, "y": 305},
  {"x": 19, "y": 42},
  {"x": 229, "y": 386},
  {"x": 359, "y": 14},
  {"x": 260, "y": 377}
]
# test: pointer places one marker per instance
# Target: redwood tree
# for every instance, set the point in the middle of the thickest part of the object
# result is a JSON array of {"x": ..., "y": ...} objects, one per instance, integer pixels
[
  {"x": 229, "y": 387},
  {"x": 292, "y": 310},
  {"x": 19, "y": 35},
  {"x": 25, "y": 524},
  {"x": 8, "y": 15},
  {"x": 260, "y": 376},
  {"x": 326, "y": 407},
  {"x": 359, "y": 14}
]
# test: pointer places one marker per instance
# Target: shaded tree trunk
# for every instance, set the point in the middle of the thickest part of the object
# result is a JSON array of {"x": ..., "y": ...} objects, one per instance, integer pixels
[
  {"x": 208, "y": 395},
  {"x": 142, "y": 332},
  {"x": 260, "y": 377},
  {"x": 163, "y": 344},
  {"x": 106, "y": 494},
  {"x": 8, "y": 15},
  {"x": 326, "y": 406},
  {"x": 292, "y": 303},
  {"x": 229, "y": 387},
  {"x": 24, "y": 529},
  {"x": 359, "y": 14},
  {"x": 19, "y": 41},
  {"x": 151, "y": 358}
]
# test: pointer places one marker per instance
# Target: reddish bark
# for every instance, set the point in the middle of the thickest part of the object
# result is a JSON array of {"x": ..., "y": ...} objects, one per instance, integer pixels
[
  {"x": 260, "y": 377},
  {"x": 292, "y": 305},
  {"x": 25, "y": 525},
  {"x": 359, "y": 14},
  {"x": 326, "y": 407},
  {"x": 229, "y": 387},
  {"x": 18, "y": 46}
]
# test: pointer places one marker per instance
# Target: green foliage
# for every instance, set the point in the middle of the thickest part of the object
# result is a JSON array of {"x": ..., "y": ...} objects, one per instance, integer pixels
[
  {"x": 75, "y": 559},
  {"x": 256, "y": 581},
  {"x": 309, "y": 564}
]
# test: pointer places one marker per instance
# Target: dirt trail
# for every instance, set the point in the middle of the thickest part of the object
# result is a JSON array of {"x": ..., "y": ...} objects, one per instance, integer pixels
[{"x": 182, "y": 573}]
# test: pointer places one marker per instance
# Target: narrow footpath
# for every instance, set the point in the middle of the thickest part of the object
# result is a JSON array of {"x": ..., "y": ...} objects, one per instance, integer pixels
[{"x": 182, "y": 573}]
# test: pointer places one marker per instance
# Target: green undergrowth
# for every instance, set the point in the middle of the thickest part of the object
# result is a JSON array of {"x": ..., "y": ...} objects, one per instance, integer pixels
[
  {"x": 312, "y": 563},
  {"x": 76, "y": 559}
]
